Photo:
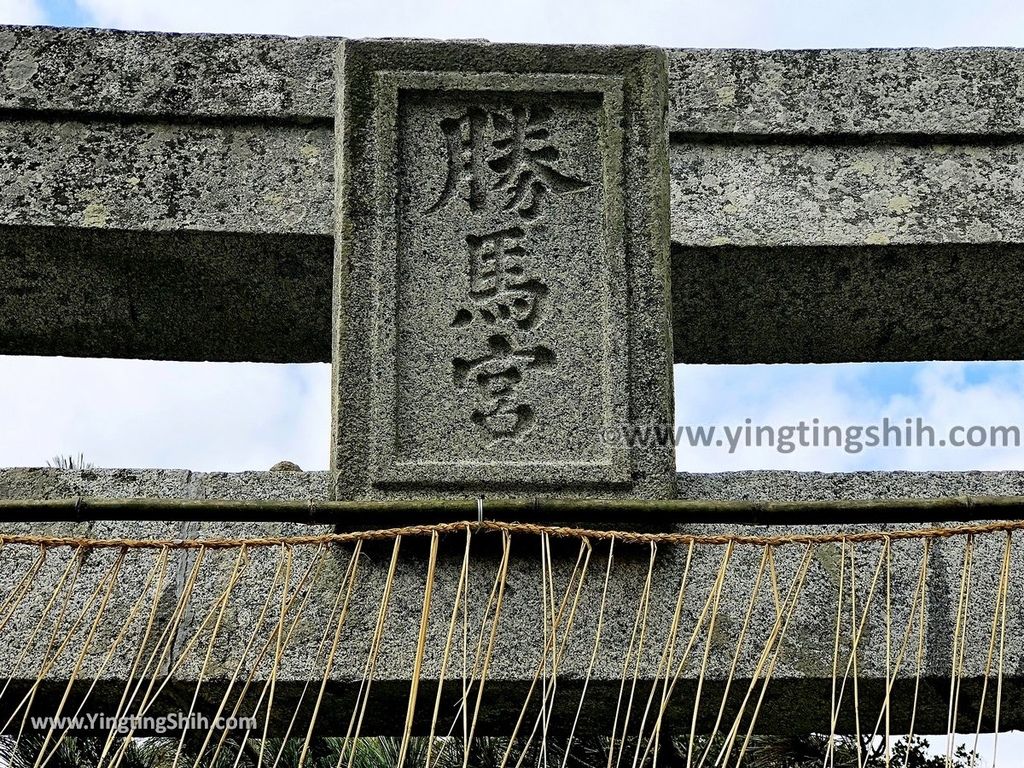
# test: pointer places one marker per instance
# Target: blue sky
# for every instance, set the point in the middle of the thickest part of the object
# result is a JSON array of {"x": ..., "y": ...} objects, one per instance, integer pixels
[
  {"x": 236, "y": 416},
  {"x": 733, "y": 23}
]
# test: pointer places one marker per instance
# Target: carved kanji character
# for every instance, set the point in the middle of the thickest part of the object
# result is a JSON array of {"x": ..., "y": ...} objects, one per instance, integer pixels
[
  {"x": 496, "y": 376},
  {"x": 522, "y": 156},
  {"x": 465, "y": 148},
  {"x": 525, "y": 158},
  {"x": 497, "y": 285}
]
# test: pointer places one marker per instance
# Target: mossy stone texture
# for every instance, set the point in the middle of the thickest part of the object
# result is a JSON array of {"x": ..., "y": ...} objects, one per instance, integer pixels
[{"x": 501, "y": 270}]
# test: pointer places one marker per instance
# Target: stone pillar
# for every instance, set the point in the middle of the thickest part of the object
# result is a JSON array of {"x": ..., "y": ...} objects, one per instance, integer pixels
[{"x": 501, "y": 273}]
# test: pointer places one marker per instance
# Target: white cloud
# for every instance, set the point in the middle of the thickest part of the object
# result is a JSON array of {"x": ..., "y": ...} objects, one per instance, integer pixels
[
  {"x": 235, "y": 416},
  {"x": 942, "y": 395},
  {"x": 728, "y": 395},
  {"x": 130, "y": 413},
  {"x": 20, "y": 12},
  {"x": 947, "y": 398},
  {"x": 686, "y": 23}
]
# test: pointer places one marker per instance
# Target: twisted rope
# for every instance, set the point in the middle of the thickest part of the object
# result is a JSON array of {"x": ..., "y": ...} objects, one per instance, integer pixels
[{"x": 492, "y": 526}]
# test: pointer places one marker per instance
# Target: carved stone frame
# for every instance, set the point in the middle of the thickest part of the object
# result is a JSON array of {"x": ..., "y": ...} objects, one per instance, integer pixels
[{"x": 631, "y": 88}]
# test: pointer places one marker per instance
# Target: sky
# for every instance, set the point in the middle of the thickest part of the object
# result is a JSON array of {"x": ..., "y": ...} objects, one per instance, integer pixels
[{"x": 239, "y": 416}]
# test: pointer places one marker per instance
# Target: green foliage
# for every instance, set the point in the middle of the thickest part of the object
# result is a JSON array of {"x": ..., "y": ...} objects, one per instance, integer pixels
[
  {"x": 913, "y": 754},
  {"x": 383, "y": 752},
  {"x": 78, "y": 752},
  {"x": 848, "y": 752}
]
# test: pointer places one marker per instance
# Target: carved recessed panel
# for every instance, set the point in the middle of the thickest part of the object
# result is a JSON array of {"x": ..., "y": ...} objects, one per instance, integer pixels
[
  {"x": 503, "y": 314},
  {"x": 484, "y": 250}
]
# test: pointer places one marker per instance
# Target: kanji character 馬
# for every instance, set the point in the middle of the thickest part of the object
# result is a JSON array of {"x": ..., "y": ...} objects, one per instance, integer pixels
[{"x": 497, "y": 285}]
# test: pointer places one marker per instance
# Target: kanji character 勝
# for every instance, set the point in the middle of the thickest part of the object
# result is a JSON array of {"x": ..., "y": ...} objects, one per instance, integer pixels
[{"x": 505, "y": 151}]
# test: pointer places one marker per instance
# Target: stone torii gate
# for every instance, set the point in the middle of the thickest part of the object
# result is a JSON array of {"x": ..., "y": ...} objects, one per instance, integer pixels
[{"x": 509, "y": 246}]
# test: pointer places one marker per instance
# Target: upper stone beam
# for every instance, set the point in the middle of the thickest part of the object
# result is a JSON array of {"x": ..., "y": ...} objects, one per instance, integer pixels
[
  {"x": 103, "y": 72},
  {"x": 172, "y": 196},
  {"x": 951, "y": 91}
]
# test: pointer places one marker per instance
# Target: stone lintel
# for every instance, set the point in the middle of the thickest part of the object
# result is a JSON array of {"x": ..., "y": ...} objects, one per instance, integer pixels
[
  {"x": 797, "y": 699},
  {"x": 95, "y": 72},
  {"x": 873, "y": 194}
]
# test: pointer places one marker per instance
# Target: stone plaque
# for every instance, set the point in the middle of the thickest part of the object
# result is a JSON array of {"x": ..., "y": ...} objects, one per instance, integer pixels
[{"x": 501, "y": 290}]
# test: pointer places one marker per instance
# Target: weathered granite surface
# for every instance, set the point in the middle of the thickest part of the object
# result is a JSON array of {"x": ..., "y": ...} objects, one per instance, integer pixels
[
  {"x": 840, "y": 304},
  {"x": 947, "y": 91},
  {"x": 804, "y": 668},
  {"x": 199, "y": 135},
  {"x": 195, "y": 295},
  {"x": 171, "y": 197},
  {"x": 94, "y": 71},
  {"x": 501, "y": 270},
  {"x": 159, "y": 177},
  {"x": 792, "y": 193},
  {"x": 766, "y": 485},
  {"x": 861, "y": 92}
]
